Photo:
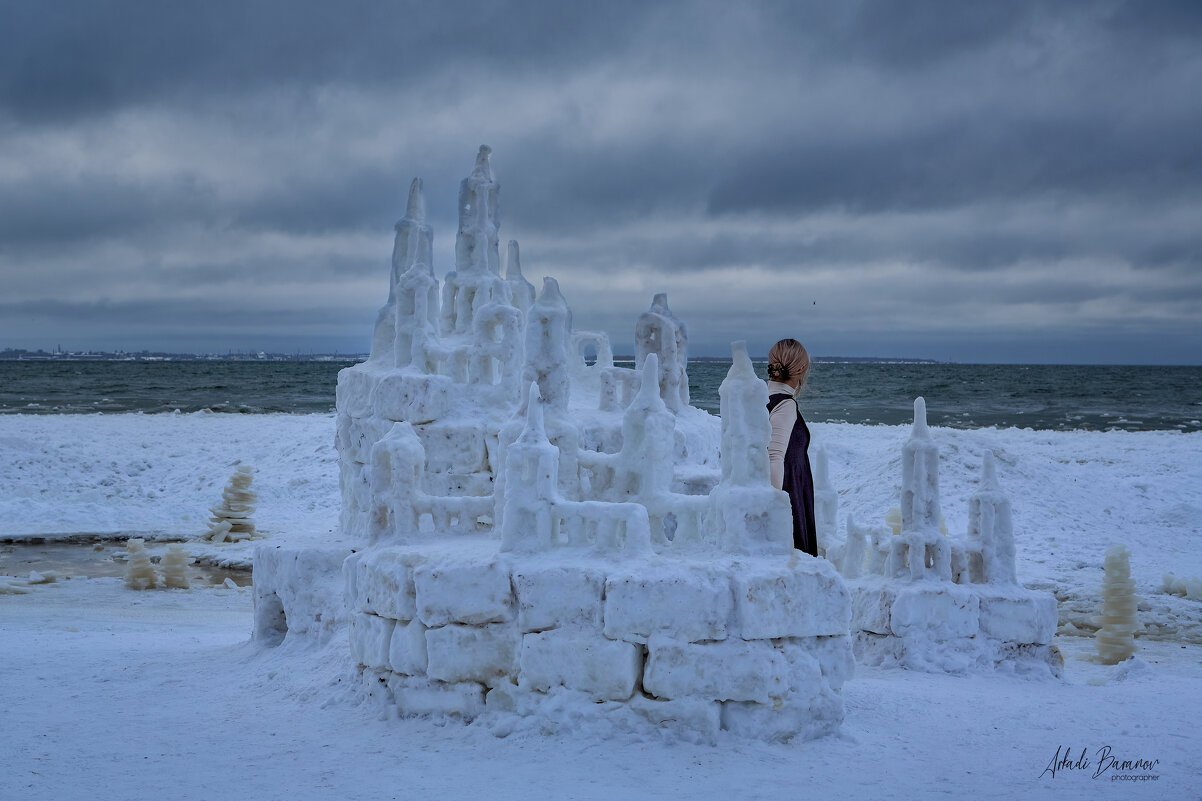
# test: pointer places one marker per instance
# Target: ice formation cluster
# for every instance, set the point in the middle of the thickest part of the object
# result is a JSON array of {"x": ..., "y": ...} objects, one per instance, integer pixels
[
  {"x": 926, "y": 601},
  {"x": 538, "y": 531}
]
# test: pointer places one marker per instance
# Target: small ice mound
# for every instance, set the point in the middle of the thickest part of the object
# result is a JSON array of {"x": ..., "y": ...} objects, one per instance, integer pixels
[
  {"x": 1130, "y": 668},
  {"x": 48, "y": 577},
  {"x": 139, "y": 572},
  {"x": 231, "y": 519},
  {"x": 1183, "y": 587}
]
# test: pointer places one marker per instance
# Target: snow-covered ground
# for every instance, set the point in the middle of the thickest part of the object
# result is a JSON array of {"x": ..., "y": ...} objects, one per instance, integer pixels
[{"x": 109, "y": 693}]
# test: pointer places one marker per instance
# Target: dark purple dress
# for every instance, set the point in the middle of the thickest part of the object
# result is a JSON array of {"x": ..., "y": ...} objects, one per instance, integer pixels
[{"x": 799, "y": 482}]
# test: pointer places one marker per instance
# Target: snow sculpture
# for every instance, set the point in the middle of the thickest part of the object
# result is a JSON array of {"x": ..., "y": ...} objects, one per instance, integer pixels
[
  {"x": 920, "y": 550},
  {"x": 139, "y": 572},
  {"x": 659, "y": 332},
  {"x": 990, "y": 548},
  {"x": 174, "y": 565},
  {"x": 1116, "y": 638},
  {"x": 231, "y": 519},
  {"x": 930, "y": 602},
  {"x": 536, "y": 534}
]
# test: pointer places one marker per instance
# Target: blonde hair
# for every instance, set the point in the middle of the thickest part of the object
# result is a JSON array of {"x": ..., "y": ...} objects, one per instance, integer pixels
[{"x": 788, "y": 359}]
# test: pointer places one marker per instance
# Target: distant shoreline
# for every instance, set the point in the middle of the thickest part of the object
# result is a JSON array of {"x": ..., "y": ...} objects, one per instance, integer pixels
[{"x": 15, "y": 355}]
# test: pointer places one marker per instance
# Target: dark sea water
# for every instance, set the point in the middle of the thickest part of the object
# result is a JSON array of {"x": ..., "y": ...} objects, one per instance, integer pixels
[{"x": 1051, "y": 397}]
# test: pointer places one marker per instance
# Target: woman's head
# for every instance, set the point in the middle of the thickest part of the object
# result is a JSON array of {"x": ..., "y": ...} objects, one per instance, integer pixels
[{"x": 787, "y": 361}]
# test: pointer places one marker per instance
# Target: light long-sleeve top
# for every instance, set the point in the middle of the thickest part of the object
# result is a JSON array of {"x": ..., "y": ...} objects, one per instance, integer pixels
[{"x": 783, "y": 418}]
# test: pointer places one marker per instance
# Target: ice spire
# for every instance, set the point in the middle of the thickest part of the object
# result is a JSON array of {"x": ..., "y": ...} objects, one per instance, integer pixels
[
  {"x": 476, "y": 243},
  {"x": 989, "y": 523},
  {"x": 521, "y": 290},
  {"x": 415, "y": 209},
  {"x": 412, "y": 246},
  {"x": 826, "y": 501},
  {"x": 920, "y": 476},
  {"x": 743, "y": 402},
  {"x": 535, "y": 431},
  {"x": 988, "y": 474},
  {"x": 548, "y": 330},
  {"x": 532, "y": 473},
  {"x": 659, "y": 331}
]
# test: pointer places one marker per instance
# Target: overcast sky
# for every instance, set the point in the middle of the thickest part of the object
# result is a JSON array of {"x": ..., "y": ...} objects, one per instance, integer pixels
[{"x": 1001, "y": 181}]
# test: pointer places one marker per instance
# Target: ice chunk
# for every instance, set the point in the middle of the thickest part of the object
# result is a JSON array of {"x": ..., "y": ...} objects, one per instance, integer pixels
[
  {"x": 806, "y": 599},
  {"x": 732, "y": 670},
  {"x": 579, "y": 660},
  {"x": 485, "y": 654},
  {"x": 687, "y": 605},
  {"x": 556, "y": 597},
  {"x": 371, "y": 636},
  {"x": 463, "y": 592}
]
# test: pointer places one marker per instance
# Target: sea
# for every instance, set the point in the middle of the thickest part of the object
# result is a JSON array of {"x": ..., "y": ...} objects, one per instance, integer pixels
[{"x": 1041, "y": 397}]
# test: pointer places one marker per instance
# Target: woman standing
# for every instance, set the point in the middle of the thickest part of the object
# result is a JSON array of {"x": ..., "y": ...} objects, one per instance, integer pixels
[{"x": 788, "y": 457}]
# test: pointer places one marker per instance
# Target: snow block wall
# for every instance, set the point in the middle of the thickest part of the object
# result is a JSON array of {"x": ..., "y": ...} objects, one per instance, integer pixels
[
  {"x": 925, "y": 601},
  {"x": 541, "y": 528}
]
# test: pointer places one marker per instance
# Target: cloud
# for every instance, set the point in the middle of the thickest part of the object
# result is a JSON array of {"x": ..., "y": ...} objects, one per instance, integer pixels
[{"x": 890, "y": 175}]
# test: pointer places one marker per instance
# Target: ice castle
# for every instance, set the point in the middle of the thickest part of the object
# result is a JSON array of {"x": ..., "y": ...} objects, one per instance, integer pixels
[{"x": 532, "y": 530}]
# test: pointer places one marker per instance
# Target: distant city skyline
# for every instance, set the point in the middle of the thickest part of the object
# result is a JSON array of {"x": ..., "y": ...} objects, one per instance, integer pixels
[{"x": 965, "y": 182}]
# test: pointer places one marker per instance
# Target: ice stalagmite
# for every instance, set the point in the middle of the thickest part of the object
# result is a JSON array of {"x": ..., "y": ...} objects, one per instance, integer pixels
[
  {"x": 231, "y": 519},
  {"x": 1116, "y": 638},
  {"x": 139, "y": 572},
  {"x": 174, "y": 566}
]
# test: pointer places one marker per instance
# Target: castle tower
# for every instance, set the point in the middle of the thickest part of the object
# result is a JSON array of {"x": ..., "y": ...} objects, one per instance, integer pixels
[
  {"x": 521, "y": 291},
  {"x": 532, "y": 473},
  {"x": 413, "y": 245},
  {"x": 658, "y": 331},
  {"x": 648, "y": 429},
  {"x": 990, "y": 524},
  {"x": 747, "y": 514},
  {"x": 476, "y": 280},
  {"x": 921, "y": 550}
]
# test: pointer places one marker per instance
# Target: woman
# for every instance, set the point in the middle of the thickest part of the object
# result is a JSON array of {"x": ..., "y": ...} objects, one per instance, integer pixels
[{"x": 788, "y": 364}]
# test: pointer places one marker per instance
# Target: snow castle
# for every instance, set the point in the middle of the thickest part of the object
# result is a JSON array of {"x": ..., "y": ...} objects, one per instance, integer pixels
[
  {"x": 925, "y": 601},
  {"x": 535, "y": 531},
  {"x": 528, "y": 533}
]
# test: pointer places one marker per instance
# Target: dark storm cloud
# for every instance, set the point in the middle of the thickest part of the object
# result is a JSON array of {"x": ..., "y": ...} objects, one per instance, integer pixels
[
  {"x": 74, "y": 57},
  {"x": 57, "y": 210}
]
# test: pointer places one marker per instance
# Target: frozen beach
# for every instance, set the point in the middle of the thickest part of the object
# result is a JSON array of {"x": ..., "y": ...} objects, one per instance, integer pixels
[{"x": 161, "y": 693}]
